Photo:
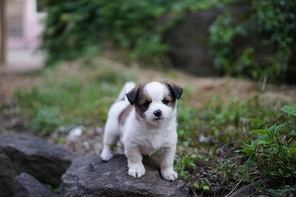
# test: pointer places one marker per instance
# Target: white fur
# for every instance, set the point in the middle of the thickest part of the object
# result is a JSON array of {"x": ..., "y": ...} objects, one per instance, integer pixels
[{"x": 143, "y": 135}]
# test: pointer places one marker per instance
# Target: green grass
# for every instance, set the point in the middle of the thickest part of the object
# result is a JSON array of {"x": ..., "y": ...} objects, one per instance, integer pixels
[
  {"x": 71, "y": 100},
  {"x": 225, "y": 122},
  {"x": 81, "y": 95}
]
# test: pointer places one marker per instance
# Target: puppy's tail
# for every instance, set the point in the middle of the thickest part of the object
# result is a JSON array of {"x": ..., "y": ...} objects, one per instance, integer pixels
[{"x": 128, "y": 86}]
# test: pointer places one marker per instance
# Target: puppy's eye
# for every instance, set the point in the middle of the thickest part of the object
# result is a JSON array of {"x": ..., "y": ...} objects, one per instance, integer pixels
[
  {"x": 165, "y": 101},
  {"x": 146, "y": 104}
]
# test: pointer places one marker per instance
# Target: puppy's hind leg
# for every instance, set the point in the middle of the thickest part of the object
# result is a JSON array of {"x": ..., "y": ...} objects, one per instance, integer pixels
[{"x": 110, "y": 139}]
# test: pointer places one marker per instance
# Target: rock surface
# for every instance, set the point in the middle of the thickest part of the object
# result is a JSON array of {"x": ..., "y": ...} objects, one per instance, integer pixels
[
  {"x": 89, "y": 176},
  {"x": 24, "y": 153},
  {"x": 27, "y": 186}
]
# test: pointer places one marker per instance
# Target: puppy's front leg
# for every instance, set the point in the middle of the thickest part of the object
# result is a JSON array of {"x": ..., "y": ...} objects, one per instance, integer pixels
[
  {"x": 167, "y": 163},
  {"x": 134, "y": 160}
]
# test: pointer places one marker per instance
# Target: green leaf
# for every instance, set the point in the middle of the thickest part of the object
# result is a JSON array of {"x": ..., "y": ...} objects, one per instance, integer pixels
[
  {"x": 274, "y": 173},
  {"x": 256, "y": 120},
  {"x": 272, "y": 191},
  {"x": 292, "y": 151},
  {"x": 259, "y": 131},
  {"x": 284, "y": 174},
  {"x": 251, "y": 162},
  {"x": 196, "y": 185},
  {"x": 205, "y": 187},
  {"x": 289, "y": 109},
  {"x": 264, "y": 142},
  {"x": 293, "y": 133},
  {"x": 247, "y": 150}
]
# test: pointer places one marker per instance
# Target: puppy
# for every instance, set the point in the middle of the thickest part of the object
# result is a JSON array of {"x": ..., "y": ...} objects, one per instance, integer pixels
[{"x": 144, "y": 119}]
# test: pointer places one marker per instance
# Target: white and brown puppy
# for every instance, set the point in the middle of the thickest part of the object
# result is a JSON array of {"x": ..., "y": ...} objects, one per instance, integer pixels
[{"x": 144, "y": 119}]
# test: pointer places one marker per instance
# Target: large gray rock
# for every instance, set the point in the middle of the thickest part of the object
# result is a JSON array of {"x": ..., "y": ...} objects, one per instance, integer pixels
[
  {"x": 89, "y": 176},
  {"x": 24, "y": 153},
  {"x": 27, "y": 186}
]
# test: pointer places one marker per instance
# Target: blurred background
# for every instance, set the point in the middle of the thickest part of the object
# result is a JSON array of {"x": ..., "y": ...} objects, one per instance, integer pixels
[
  {"x": 253, "y": 39},
  {"x": 63, "y": 63}
]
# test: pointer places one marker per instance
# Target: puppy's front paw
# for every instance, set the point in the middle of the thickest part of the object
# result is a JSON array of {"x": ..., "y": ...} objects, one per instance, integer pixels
[
  {"x": 106, "y": 155},
  {"x": 136, "y": 171},
  {"x": 169, "y": 175}
]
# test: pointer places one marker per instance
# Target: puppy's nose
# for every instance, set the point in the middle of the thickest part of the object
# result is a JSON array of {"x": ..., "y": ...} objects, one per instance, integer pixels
[{"x": 157, "y": 113}]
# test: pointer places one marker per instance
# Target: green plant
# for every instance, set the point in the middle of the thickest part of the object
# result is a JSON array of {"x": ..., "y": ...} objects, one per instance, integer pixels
[
  {"x": 274, "y": 152},
  {"x": 273, "y": 22},
  {"x": 81, "y": 25},
  {"x": 183, "y": 165},
  {"x": 85, "y": 27},
  {"x": 201, "y": 186},
  {"x": 46, "y": 120},
  {"x": 222, "y": 32},
  {"x": 71, "y": 98}
]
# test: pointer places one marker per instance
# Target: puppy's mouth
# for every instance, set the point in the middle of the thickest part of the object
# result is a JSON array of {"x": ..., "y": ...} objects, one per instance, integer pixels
[{"x": 158, "y": 119}]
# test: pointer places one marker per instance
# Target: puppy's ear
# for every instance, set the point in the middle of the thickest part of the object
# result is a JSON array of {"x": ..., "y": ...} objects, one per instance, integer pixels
[
  {"x": 175, "y": 90},
  {"x": 132, "y": 95}
]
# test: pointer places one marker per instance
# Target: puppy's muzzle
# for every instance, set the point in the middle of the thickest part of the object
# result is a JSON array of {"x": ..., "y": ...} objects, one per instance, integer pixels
[{"x": 157, "y": 113}]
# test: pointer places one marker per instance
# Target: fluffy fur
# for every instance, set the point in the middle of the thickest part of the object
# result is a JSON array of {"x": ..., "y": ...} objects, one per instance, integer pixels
[{"x": 144, "y": 119}]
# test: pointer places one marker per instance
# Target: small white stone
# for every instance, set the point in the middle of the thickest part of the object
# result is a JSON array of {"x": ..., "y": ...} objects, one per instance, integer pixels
[{"x": 75, "y": 132}]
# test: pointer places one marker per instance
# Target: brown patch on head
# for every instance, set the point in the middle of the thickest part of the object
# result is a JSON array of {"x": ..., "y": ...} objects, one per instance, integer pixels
[
  {"x": 124, "y": 114},
  {"x": 139, "y": 99},
  {"x": 175, "y": 90},
  {"x": 169, "y": 100}
]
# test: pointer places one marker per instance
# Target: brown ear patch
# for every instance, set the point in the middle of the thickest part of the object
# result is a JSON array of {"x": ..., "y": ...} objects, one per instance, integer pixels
[
  {"x": 175, "y": 90},
  {"x": 169, "y": 101},
  {"x": 139, "y": 99},
  {"x": 132, "y": 95}
]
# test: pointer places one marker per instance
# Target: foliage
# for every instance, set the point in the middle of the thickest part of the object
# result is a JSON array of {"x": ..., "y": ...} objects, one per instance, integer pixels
[
  {"x": 222, "y": 125},
  {"x": 225, "y": 122},
  {"x": 46, "y": 120},
  {"x": 273, "y": 152},
  {"x": 183, "y": 165},
  {"x": 74, "y": 29},
  {"x": 222, "y": 32},
  {"x": 80, "y": 25},
  {"x": 71, "y": 99},
  {"x": 273, "y": 23}
]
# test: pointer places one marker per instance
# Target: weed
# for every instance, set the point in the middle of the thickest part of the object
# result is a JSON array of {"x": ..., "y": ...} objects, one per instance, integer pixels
[
  {"x": 185, "y": 164},
  {"x": 226, "y": 127},
  {"x": 273, "y": 153}
]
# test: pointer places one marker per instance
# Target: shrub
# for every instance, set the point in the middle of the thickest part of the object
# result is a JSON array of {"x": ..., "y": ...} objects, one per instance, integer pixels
[
  {"x": 273, "y": 22},
  {"x": 78, "y": 28},
  {"x": 74, "y": 29},
  {"x": 80, "y": 25},
  {"x": 273, "y": 153}
]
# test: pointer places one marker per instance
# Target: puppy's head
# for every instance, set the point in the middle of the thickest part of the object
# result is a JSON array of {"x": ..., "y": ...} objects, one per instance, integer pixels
[{"x": 155, "y": 102}]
